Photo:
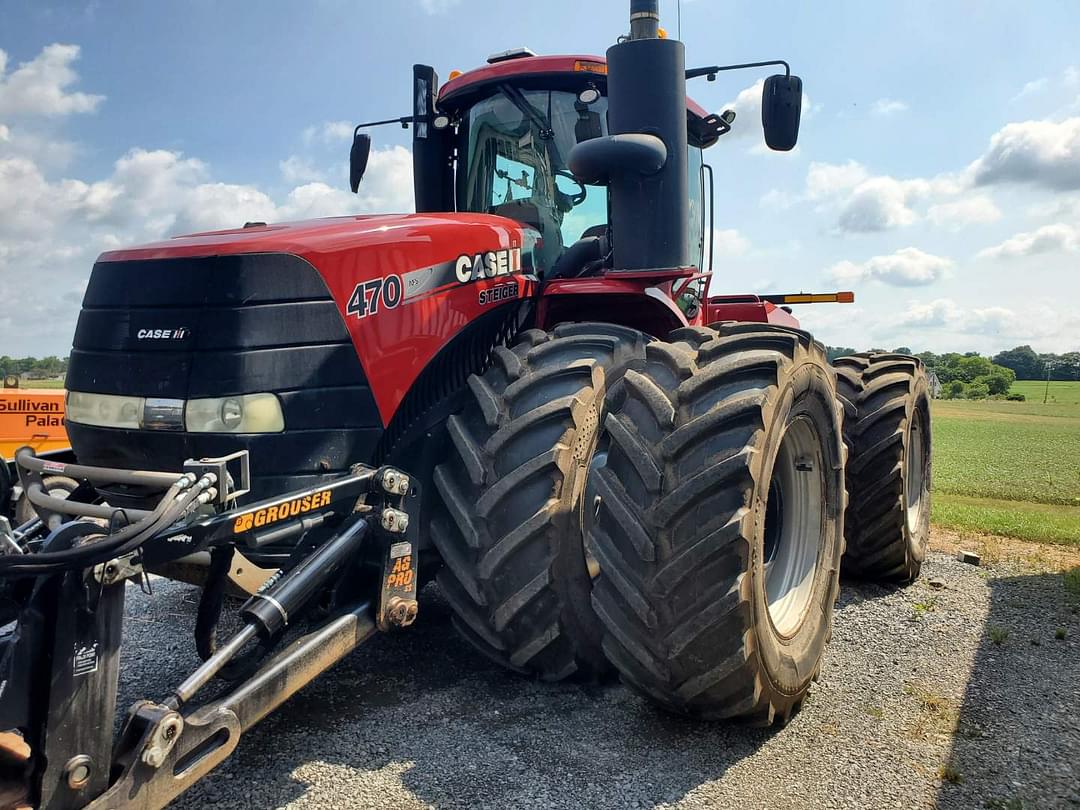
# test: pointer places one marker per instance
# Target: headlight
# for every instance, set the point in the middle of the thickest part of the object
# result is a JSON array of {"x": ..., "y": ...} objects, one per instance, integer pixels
[
  {"x": 244, "y": 413},
  {"x": 104, "y": 410}
]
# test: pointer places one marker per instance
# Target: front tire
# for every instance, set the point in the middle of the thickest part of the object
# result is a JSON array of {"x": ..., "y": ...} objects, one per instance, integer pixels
[
  {"x": 719, "y": 522},
  {"x": 509, "y": 534},
  {"x": 886, "y": 404}
]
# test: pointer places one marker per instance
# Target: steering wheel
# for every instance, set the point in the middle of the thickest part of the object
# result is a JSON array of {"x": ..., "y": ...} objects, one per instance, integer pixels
[{"x": 579, "y": 197}]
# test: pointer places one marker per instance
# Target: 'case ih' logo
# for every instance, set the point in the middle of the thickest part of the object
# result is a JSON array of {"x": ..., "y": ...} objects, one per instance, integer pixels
[
  {"x": 473, "y": 267},
  {"x": 163, "y": 334}
]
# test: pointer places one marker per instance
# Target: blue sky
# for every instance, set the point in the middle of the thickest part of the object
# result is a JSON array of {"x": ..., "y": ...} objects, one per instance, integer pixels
[{"x": 938, "y": 171}]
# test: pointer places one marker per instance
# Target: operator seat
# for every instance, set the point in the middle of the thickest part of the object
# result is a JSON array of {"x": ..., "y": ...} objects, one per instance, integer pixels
[{"x": 585, "y": 257}]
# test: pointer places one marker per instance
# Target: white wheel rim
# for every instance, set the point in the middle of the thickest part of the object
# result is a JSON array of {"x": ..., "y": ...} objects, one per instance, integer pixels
[
  {"x": 794, "y": 526},
  {"x": 916, "y": 472}
]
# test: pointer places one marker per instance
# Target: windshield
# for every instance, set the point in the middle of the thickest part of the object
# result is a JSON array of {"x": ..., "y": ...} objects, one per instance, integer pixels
[{"x": 517, "y": 143}]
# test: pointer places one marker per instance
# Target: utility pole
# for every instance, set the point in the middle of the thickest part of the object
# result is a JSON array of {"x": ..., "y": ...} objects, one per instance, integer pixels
[{"x": 1046, "y": 391}]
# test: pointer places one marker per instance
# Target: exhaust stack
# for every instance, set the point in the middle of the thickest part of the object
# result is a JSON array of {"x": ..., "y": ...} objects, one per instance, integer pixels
[{"x": 643, "y": 160}]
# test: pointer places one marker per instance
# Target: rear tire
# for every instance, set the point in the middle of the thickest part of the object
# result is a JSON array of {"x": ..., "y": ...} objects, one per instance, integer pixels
[
  {"x": 719, "y": 524},
  {"x": 886, "y": 404},
  {"x": 515, "y": 571}
]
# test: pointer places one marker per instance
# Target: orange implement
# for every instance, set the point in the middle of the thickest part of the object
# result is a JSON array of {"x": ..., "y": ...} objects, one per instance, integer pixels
[{"x": 32, "y": 416}]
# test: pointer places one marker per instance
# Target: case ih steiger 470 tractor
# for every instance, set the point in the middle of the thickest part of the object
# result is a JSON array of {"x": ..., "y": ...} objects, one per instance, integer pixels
[{"x": 522, "y": 391}]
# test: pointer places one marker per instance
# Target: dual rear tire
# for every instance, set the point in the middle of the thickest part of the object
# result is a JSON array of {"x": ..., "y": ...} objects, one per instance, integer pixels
[
  {"x": 671, "y": 509},
  {"x": 886, "y": 401},
  {"x": 719, "y": 521}
]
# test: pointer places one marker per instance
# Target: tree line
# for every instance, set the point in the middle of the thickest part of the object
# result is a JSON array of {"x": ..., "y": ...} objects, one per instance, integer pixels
[{"x": 44, "y": 367}]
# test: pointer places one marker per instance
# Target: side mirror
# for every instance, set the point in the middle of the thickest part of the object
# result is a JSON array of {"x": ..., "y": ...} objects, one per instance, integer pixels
[
  {"x": 781, "y": 109},
  {"x": 358, "y": 158}
]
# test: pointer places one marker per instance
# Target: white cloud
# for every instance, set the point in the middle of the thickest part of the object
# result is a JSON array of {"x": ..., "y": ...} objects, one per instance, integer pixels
[
  {"x": 936, "y": 313},
  {"x": 877, "y": 204},
  {"x": 297, "y": 169},
  {"x": 1034, "y": 87},
  {"x": 1036, "y": 322},
  {"x": 885, "y": 107},
  {"x": 1058, "y": 207},
  {"x": 726, "y": 243},
  {"x": 1047, "y": 239},
  {"x": 1040, "y": 153},
  {"x": 909, "y": 267},
  {"x": 329, "y": 132},
  {"x": 730, "y": 242},
  {"x": 51, "y": 230},
  {"x": 40, "y": 87},
  {"x": 828, "y": 179},
  {"x": 979, "y": 209},
  {"x": 866, "y": 203}
]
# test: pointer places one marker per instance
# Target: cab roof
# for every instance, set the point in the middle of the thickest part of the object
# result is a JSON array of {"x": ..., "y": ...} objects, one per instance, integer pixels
[{"x": 573, "y": 64}]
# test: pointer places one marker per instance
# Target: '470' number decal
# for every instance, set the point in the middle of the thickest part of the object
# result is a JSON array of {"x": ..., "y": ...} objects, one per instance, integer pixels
[{"x": 366, "y": 296}]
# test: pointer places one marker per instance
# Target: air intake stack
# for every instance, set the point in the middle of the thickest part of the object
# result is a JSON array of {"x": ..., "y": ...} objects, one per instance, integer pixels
[{"x": 644, "y": 158}]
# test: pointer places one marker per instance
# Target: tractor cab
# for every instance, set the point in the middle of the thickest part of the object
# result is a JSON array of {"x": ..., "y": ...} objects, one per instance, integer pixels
[{"x": 497, "y": 140}]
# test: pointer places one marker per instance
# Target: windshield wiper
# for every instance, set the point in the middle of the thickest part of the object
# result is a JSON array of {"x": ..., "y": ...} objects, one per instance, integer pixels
[{"x": 538, "y": 119}]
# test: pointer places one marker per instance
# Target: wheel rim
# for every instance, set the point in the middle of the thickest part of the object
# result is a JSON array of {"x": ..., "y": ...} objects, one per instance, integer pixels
[
  {"x": 793, "y": 526},
  {"x": 916, "y": 472},
  {"x": 590, "y": 506}
]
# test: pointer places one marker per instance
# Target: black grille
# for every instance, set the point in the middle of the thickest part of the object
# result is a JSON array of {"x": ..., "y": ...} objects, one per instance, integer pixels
[{"x": 217, "y": 326}]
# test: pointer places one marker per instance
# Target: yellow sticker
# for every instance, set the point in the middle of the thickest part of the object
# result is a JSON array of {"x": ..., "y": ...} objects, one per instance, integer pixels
[{"x": 283, "y": 511}]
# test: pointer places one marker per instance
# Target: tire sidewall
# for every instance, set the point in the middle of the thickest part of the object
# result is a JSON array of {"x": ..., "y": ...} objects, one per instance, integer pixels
[{"x": 806, "y": 391}]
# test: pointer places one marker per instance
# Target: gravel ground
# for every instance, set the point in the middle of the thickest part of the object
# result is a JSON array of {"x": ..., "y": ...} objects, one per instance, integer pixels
[{"x": 918, "y": 706}]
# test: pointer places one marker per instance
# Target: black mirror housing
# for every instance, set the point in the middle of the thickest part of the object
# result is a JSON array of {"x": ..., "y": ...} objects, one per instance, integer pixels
[
  {"x": 358, "y": 158},
  {"x": 781, "y": 110}
]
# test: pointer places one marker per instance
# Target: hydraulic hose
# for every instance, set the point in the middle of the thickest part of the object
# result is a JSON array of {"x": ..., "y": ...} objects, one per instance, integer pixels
[
  {"x": 24, "y": 457},
  {"x": 170, "y": 509}
]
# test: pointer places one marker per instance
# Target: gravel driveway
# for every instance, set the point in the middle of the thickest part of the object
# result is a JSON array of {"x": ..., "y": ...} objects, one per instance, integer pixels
[{"x": 958, "y": 695}]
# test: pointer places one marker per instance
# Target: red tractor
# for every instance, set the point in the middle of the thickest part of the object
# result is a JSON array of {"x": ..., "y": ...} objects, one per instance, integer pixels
[{"x": 607, "y": 469}]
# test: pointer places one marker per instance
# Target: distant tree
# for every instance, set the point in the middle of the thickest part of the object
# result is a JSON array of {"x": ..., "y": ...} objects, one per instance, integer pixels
[
  {"x": 1024, "y": 361},
  {"x": 902, "y": 350},
  {"x": 998, "y": 381},
  {"x": 838, "y": 351},
  {"x": 952, "y": 390},
  {"x": 1068, "y": 366},
  {"x": 971, "y": 366}
]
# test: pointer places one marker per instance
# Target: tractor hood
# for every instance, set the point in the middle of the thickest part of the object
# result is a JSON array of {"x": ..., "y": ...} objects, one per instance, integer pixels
[{"x": 313, "y": 237}]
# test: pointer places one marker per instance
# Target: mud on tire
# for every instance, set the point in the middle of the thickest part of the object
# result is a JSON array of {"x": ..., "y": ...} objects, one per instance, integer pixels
[
  {"x": 886, "y": 404},
  {"x": 515, "y": 572},
  {"x": 686, "y": 529}
]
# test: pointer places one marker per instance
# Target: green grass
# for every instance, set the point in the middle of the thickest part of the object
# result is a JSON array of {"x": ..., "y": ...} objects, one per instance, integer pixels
[
  {"x": 1040, "y": 523},
  {"x": 41, "y": 383},
  {"x": 1061, "y": 392},
  {"x": 1010, "y": 468}
]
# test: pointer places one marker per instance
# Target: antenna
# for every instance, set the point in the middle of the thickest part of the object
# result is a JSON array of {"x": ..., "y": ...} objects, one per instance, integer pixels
[{"x": 678, "y": 14}]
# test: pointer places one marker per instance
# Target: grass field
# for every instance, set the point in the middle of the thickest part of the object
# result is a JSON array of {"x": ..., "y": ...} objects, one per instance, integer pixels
[
  {"x": 1010, "y": 468},
  {"x": 43, "y": 384}
]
